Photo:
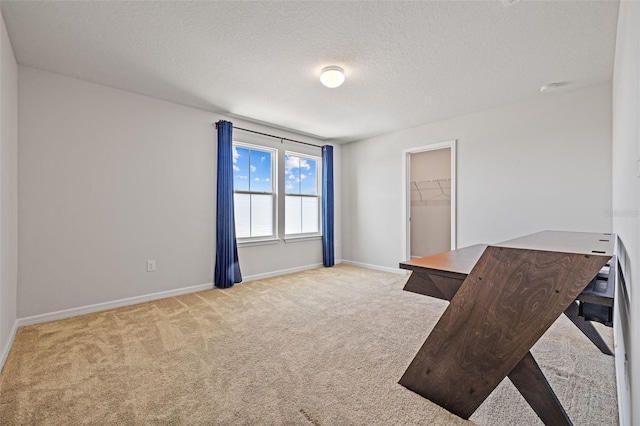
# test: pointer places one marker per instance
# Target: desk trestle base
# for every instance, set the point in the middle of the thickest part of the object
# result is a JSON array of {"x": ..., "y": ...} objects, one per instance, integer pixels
[{"x": 505, "y": 304}]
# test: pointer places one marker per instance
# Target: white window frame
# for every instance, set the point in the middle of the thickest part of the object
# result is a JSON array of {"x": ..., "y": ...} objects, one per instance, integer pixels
[
  {"x": 274, "y": 193},
  {"x": 318, "y": 178}
]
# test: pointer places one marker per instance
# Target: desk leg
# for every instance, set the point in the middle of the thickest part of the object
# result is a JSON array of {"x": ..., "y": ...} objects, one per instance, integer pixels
[
  {"x": 531, "y": 383},
  {"x": 587, "y": 328}
]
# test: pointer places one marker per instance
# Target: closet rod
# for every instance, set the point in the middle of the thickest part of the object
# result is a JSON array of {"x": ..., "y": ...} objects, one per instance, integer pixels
[{"x": 276, "y": 137}]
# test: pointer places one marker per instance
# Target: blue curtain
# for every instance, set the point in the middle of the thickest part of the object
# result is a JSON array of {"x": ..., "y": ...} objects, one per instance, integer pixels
[
  {"x": 327, "y": 206},
  {"x": 227, "y": 270}
]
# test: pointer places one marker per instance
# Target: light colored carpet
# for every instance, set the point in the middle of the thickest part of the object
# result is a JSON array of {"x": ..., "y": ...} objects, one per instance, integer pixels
[{"x": 321, "y": 347}]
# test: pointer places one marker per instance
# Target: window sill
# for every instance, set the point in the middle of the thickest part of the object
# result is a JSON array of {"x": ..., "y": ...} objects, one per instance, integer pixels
[
  {"x": 250, "y": 243},
  {"x": 302, "y": 238}
]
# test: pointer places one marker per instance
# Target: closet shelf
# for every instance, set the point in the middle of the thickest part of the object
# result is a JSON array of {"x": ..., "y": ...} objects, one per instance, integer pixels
[{"x": 431, "y": 189}]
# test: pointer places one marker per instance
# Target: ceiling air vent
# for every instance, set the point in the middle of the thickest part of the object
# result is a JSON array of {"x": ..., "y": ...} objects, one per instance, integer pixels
[{"x": 507, "y": 3}]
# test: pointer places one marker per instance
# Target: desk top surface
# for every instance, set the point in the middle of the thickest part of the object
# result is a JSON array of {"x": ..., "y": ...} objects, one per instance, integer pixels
[
  {"x": 461, "y": 261},
  {"x": 565, "y": 242}
]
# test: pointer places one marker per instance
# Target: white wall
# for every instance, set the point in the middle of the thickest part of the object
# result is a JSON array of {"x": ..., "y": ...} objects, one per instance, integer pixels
[
  {"x": 536, "y": 165},
  {"x": 430, "y": 210},
  {"x": 109, "y": 179},
  {"x": 626, "y": 204},
  {"x": 8, "y": 191}
]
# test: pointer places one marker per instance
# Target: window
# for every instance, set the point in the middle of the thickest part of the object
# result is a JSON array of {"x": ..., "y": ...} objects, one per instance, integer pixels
[
  {"x": 254, "y": 194},
  {"x": 302, "y": 201}
]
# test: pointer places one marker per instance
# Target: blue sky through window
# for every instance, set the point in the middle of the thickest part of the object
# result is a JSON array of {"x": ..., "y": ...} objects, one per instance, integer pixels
[
  {"x": 251, "y": 170},
  {"x": 300, "y": 175}
]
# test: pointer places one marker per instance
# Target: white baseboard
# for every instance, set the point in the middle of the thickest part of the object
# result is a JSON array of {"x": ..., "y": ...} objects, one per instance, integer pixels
[
  {"x": 67, "y": 313},
  {"x": 280, "y": 272},
  {"x": 82, "y": 310},
  {"x": 5, "y": 351},
  {"x": 376, "y": 267}
]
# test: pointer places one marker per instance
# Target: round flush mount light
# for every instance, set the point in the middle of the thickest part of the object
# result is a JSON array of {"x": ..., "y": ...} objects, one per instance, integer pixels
[{"x": 332, "y": 77}]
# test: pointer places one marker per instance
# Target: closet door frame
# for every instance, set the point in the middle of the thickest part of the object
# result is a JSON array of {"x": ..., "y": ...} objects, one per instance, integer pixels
[{"x": 406, "y": 193}]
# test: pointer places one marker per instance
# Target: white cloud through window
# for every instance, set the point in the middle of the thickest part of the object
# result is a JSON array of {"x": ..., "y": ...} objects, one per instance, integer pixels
[{"x": 292, "y": 162}]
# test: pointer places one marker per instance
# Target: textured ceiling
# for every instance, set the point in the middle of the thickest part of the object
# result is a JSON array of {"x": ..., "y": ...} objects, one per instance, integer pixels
[{"x": 407, "y": 63}]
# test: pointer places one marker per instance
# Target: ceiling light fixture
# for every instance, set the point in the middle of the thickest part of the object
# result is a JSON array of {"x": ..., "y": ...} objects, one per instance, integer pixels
[{"x": 332, "y": 77}]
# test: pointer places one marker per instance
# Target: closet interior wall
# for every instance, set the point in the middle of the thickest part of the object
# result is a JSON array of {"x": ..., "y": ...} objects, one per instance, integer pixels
[{"x": 430, "y": 202}]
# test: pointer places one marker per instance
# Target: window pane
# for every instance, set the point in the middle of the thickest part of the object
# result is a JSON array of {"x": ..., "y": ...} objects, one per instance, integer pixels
[
  {"x": 292, "y": 215},
  {"x": 260, "y": 178},
  {"x": 253, "y": 173},
  {"x": 242, "y": 209},
  {"x": 261, "y": 215},
  {"x": 240, "y": 168},
  {"x": 301, "y": 175},
  {"x": 308, "y": 176},
  {"x": 292, "y": 174},
  {"x": 309, "y": 214}
]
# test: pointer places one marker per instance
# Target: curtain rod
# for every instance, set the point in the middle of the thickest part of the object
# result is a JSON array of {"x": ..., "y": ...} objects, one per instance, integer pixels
[{"x": 276, "y": 137}]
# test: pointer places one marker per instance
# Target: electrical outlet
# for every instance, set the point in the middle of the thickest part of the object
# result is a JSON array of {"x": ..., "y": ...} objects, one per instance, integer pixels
[{"x": 151, "y": 265}]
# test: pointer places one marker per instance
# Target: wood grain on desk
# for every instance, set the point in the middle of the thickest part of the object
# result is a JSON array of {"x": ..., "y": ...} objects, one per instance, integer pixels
[
  {"x": 441, "y": 275},
  {"x": 461, "y": 261},
  {"x": 503, "y": 298},
  {"x": 510, "y": 298},
  {"x": 458, "y": 262}
]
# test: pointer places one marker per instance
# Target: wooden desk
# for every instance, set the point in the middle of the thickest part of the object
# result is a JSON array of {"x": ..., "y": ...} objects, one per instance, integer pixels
[{"x": 503, "y": 298}]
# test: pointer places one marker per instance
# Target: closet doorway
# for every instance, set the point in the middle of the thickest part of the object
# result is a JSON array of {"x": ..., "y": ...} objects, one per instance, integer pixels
[{"x": 430, "y": 204}]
